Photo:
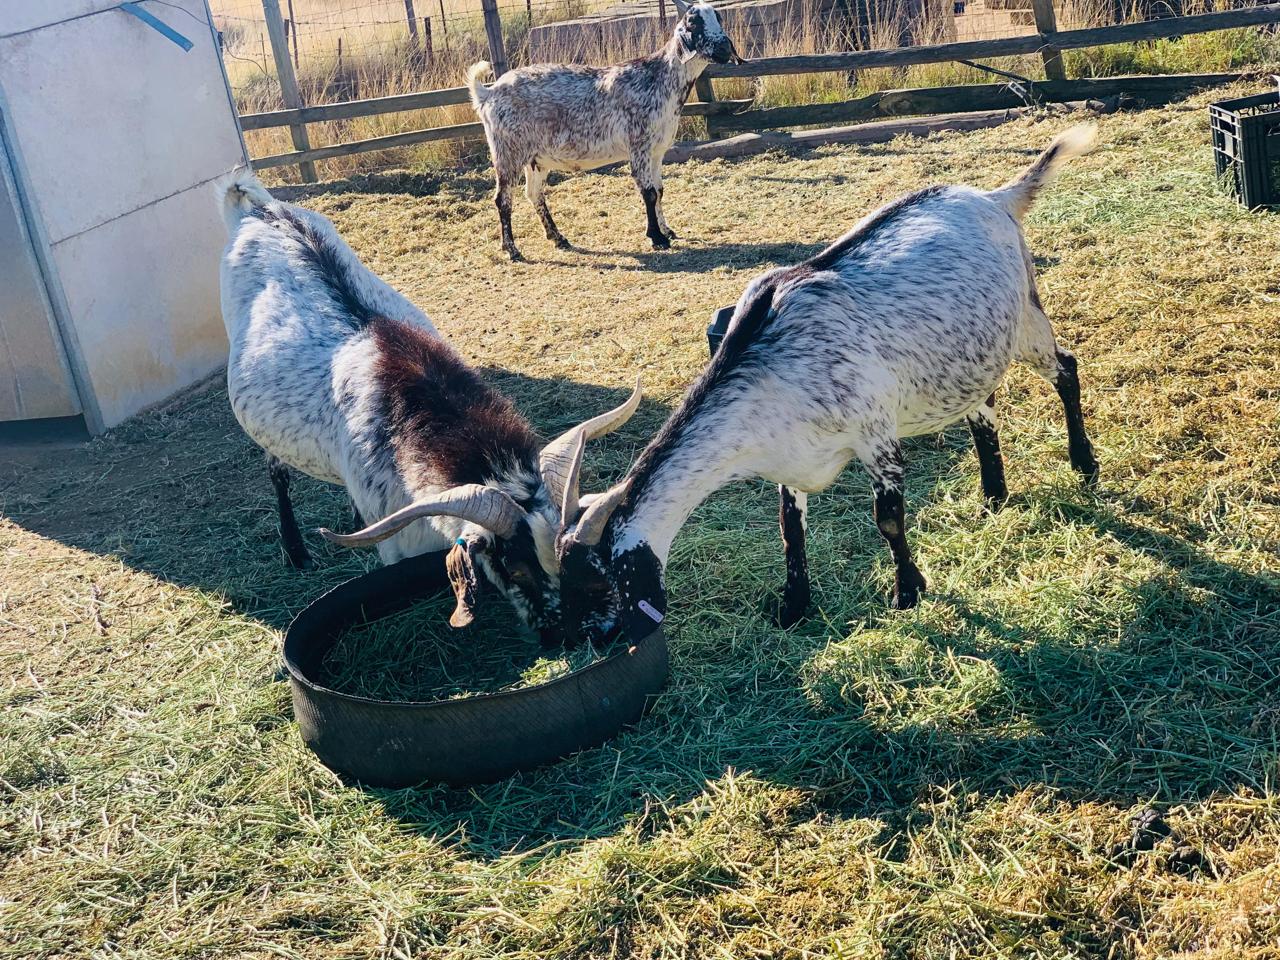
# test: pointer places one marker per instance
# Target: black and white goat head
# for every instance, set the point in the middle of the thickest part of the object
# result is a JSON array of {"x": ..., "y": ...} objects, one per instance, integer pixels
[{"x": 505, "y": 529}]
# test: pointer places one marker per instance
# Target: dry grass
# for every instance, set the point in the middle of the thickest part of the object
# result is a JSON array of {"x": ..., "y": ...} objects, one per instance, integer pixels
[{"x": 954, "y": 781}]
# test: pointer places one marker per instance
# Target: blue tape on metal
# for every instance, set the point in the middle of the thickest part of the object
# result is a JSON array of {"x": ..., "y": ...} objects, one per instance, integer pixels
[{"x": 158, "y": 25}]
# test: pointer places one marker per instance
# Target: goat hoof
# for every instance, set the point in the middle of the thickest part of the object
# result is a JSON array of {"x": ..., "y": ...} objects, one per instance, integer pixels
[
  {"x": 561, "y": 243},
  {"x": 660, "y": 242},
  {"x": 789, "y": 615},
  {"x": 303, "y": 562},
  {"x": 994, "y": 502},
  {"x": 907, "y": 590},
  {"x": 671, "y": 234},
  {"x": 1086, "y": 465},
  {"x": 515, "y": 255}
]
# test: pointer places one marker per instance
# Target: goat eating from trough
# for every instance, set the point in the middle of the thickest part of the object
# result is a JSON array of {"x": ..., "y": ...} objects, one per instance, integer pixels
[
  {"x": 334, "y": 373},
  {"x": 548, "y": 117},
  {"x": 903, "y": 326}
]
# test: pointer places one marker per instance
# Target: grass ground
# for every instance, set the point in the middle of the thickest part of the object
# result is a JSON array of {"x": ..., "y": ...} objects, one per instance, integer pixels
[{"x": 955, "y": 781}]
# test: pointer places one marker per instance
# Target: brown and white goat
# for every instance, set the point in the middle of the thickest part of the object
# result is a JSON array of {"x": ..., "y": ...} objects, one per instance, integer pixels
[{"x": 334, "y": 373}]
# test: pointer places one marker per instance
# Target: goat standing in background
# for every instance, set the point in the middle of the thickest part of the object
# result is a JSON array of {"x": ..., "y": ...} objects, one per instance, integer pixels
[
  {"x": 563, "y": 117},
  {"x": 334, "y": 373},
  {"x": 904, "y": 326}
]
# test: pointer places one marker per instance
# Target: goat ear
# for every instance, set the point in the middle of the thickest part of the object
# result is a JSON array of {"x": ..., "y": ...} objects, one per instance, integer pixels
[{"x": 461, "y": 567}]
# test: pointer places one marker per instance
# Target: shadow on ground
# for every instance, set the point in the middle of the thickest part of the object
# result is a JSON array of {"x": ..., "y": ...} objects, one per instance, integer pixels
[{"x": 1176, "y": 701}]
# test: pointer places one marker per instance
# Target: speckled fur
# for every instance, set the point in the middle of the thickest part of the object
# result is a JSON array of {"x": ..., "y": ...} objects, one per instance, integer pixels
[
  {"x": 902, "y": 327},
  {"x": 339, "y": 376},
  {"x": 548, "y": 117}
]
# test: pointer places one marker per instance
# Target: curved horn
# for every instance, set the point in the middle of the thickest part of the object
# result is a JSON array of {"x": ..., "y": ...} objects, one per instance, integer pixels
[
  {"x": 485, "y": 506},
  {"x": 591, "y": 527},
  {"x": 561, "y": 460},
  {"x": 569, "y": 495},
  {"x": 681, "y": 7}
]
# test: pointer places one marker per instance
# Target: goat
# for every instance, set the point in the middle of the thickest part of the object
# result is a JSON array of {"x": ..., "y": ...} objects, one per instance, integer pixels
[
  {"x": 562, "y": 117},
  {"x": 903, "y": 326},
  {"x": 335, "y": 374}
]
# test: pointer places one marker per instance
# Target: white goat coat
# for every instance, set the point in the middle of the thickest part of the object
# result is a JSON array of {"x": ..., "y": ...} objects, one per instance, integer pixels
[{"x": 299, "y": 374}]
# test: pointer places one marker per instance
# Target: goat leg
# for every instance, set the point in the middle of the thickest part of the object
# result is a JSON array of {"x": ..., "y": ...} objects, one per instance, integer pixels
[
  {"x": 502, "y": 198},
  {"x": 1079, "y": 448},
  {"x": 793, "y": 506},
  {"x": 295, "y": 550},
  {"x": 985, "y": 426},
  {"x": 535, "y": 181},
  {"x": 890, "y": 515},
  {"x": 654, "y": 232}
]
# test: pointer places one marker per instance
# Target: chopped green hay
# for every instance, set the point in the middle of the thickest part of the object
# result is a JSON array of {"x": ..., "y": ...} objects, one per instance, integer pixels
[
  {"x": 954, "y": 782},
  {"x": 416, "y": 656}
]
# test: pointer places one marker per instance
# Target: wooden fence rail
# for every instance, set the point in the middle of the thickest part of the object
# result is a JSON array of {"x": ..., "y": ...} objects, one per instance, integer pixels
[{"x": 736, "y": 115}]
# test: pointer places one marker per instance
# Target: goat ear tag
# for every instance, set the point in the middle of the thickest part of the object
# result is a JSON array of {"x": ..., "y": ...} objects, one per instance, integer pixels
[
  {"x": 647, "y": 609},
  {"x": 685, "y": 53}
]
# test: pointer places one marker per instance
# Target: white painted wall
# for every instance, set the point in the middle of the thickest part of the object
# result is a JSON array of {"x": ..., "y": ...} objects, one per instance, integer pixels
[{"x": 118, "y": 134}]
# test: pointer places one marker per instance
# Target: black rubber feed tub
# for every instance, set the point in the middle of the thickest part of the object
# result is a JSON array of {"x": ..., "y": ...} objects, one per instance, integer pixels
[{"x": 476, "y": 739}]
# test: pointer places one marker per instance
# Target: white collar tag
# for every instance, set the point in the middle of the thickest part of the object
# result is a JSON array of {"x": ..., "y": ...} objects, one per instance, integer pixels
[{"x": 647, "y": 609}]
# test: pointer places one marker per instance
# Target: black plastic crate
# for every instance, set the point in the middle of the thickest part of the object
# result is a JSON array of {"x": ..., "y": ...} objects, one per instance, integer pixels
[
  {"x": 719, "y": 324},
  {"x": 1246, "y": 147}
]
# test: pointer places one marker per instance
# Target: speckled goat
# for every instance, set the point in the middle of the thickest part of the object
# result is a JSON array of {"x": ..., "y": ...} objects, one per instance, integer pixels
[
  {"x": 334, "y": 373},
  {"x": 902, "y": 327},
  {"x": 562, "y": 117}
]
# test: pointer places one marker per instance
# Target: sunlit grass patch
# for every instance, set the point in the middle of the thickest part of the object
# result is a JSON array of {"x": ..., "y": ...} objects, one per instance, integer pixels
[{"x": 957, "y": 780}]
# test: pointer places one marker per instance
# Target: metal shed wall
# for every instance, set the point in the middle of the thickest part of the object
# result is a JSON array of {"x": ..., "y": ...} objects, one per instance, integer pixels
[{"x": 115, "y": 134}]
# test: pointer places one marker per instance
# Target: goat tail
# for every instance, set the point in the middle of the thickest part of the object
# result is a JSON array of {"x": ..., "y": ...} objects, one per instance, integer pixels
[
  {"x": 1018, "y": 195},
  {"x": 478, "y": 93},
  {"x": 239, "y": 193}
]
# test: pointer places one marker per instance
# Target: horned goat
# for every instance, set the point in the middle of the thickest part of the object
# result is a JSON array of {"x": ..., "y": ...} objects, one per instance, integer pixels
[{"x": 335, "y": 374}]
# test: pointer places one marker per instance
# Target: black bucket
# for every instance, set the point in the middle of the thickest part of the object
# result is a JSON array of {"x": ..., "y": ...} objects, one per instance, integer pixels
[{"x": 478, "y": 739}]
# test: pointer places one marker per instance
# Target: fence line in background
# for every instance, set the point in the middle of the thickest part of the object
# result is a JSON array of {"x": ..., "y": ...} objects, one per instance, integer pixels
[
  {"x": 734, "y": 115},
  {"x": 288, "y": 83}
]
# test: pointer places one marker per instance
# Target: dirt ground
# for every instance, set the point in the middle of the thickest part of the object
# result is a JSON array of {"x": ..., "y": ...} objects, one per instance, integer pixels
[{"x": 959, "y": 780}]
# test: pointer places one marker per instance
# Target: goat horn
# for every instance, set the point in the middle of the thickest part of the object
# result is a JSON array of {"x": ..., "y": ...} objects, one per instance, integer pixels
[
  {"x": 560, "y": 461},
  {"x": 569, "y": 494},
  {"x": 485, "y": 506},
  {"x": 591, "y": 527},
  {"x": 681, "y": 7}
]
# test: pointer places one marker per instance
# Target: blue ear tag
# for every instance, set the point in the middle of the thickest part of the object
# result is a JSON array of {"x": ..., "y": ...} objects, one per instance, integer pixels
[
  {"x": 460, "y": 542},
  {"x": 647, "y": 609}
]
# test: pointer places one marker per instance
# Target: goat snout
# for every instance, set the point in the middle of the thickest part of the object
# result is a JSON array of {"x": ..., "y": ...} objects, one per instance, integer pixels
[{"x": 725, "y": 52}]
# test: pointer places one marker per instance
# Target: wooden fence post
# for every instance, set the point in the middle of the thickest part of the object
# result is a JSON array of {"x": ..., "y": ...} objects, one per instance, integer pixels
[
  {"x": 288, "y": 83},
  {"x": 412, "y": 20},
  {"x": 444, "y": 27},
  {"x": 428, "y": 44},
  {"x": 1047, "y": 26},
  {"x": 294, "y": 38},
  {"x": 493, "y": 30},
  {"x": 707, "y": 95}
]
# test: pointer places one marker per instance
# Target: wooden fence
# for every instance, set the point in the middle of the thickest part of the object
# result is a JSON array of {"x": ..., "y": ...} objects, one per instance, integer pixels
[{"x": 737, "y": 115}]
